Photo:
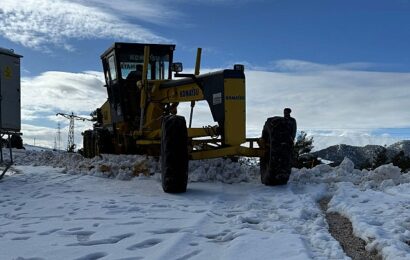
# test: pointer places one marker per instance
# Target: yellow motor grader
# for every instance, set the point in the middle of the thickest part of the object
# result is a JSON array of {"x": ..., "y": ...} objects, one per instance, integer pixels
[{"x": 141, "y": 116}]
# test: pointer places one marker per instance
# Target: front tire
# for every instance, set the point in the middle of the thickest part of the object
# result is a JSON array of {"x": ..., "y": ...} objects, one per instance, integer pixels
[
  {"x": 174, "y": 154},
  {"x": 276, "y": 163}
]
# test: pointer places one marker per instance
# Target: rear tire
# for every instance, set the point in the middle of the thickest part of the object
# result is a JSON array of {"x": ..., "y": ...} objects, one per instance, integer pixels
[
  {"x": 96, "y": 142},
  {"x": 174, "y": 154},
  {"x": 276, "y": 163}
]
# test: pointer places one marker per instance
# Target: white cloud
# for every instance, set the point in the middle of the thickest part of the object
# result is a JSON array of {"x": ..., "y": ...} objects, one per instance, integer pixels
[
  {"x": 156, "y": 12},
  {"x": 48, "y": 137},
  {"x": 40, "y": 24},
  {"x": 38, "y": 135},
  {"x": 356, "y": 137},
  {"x": 55, "y": 91},
  {"x": 289, "y": 65},
  {"x": 333, "y": 98},
  {"x": 217, "y": 2},
  {"x": 47, "y": 24},
  {"x": 301, "y": 66},
  {"x": 349, "y": 103}
]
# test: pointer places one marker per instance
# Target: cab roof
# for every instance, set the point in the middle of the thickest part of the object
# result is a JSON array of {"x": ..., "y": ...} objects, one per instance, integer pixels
[
  {"x": 126, "y": 46},
  {"x": 9, "y": 52}
]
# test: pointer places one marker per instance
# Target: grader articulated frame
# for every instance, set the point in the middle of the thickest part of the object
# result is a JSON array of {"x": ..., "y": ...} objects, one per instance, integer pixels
[{"x": 140, "y": 116}]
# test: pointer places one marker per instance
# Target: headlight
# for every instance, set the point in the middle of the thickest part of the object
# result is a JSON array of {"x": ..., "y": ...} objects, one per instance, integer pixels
[{"x": 177, "y": 67}]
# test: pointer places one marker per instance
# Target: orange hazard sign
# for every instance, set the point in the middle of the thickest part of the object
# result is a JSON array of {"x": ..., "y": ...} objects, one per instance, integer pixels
[{"x": 8, "y": 73}]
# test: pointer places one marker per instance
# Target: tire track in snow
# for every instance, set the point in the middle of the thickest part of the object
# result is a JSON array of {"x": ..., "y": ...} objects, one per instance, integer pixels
[
  {"x": 277, "y": 209},
  {"x": 342, "y": 230}
]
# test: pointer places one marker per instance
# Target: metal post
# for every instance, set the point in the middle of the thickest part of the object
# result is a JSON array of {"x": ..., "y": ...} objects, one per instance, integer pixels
[
  {"x": 11, "y": 151},
  {"x": 197, "y": 71},
  {"x": 1, "y": 122},
  {"x": 144, "y": 86},
  {"x": 198, "y": 61},
  {"x": 1, "y": 107},
  {"x": 1, "y": 150},
  {"x": 192, "y": 112}
]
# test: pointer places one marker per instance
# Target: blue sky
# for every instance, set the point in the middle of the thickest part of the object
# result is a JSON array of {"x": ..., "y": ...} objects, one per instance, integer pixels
[
  {"x": 258, "y": 32},
  {"x": 307, "y": 54}
]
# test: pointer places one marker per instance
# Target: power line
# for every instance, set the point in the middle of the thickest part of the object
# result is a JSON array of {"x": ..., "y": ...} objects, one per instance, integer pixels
[{"x": 70, "y": 143}]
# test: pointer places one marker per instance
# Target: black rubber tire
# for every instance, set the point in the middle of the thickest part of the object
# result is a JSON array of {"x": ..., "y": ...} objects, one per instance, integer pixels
[
  {"x": 96, "y": 142},
  {"x": 174, "y": 154},
  {"x": 103, "y": 143},
  {"x": 276, "y": 163}
]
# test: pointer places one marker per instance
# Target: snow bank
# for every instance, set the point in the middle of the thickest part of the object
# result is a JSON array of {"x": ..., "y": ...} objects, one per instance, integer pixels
[
  {"x": 381, "y": 178},
  {"x": 125, "y": 167},
  {"x": 381, "y": 219},
  {"x": 376, "y": 202},
  {"x": 223, "y": 170}
]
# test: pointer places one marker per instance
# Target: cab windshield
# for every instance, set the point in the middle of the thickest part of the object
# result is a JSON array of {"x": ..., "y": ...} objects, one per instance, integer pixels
[{"x": 157, "y": 68}]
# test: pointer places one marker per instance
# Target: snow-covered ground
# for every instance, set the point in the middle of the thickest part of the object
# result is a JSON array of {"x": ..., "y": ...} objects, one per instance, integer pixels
[{"x": 57, "y": 206}]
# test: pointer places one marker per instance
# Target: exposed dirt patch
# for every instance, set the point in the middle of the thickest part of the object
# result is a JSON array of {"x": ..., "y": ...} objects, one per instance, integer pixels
[{"x": 342, "y": 230}]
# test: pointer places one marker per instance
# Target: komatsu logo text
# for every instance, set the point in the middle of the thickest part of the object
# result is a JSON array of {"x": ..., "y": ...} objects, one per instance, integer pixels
[
  {"x": 235, "y": 97},
  {"x": 189, "y": 92}
]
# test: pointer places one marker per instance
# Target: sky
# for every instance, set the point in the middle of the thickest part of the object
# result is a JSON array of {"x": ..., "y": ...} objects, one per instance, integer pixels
[{"x": 342, "y": 66}]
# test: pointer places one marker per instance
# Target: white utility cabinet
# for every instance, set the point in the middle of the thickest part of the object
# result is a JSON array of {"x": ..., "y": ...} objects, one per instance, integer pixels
[{"x": 10, "y": 104}]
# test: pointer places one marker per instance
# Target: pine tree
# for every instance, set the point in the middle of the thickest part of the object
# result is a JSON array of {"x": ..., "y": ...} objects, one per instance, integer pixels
[
  {"x": 367, "y": 164},
  {"x": 401, "y": 161},
  {"x": 303, "y": 144},
  {"x": 301, "y": 152},
  {"x": 380, "y": 158}
]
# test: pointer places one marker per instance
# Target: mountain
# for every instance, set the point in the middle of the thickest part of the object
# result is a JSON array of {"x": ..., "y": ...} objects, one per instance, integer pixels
[
  {"x": 399, "y": 146},
  {"x": 359, "y": 155}
]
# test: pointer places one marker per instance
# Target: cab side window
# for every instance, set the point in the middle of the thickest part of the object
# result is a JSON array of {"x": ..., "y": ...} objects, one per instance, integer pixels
[{"x": 112, "y": 68}]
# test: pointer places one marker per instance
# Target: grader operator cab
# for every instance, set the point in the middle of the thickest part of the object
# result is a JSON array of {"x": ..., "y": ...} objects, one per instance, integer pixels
[{"x": 140, "y": 116}]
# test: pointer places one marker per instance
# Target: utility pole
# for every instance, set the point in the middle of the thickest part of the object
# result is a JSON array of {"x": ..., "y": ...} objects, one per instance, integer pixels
[
  {"x": 70, "y": 142},
  {"x": 72, "y": 117}
]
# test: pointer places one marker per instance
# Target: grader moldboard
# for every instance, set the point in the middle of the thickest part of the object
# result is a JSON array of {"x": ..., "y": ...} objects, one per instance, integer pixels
[{"x": 140, "y": 116}]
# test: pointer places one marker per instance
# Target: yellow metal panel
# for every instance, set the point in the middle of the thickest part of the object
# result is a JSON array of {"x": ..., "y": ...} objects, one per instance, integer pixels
[
  {"x": 178, "y": 94},
  {"x": 208, "y": 154},
  {"x": 148, "y": 142},
  {"x": 228, "y": 151},
  {"x": 150, "y": 135},
  {"x": 250, "y": 152},
  {"x": 235, "y": 111},
  {"x": 153, "y": 116},
  {"x": 106, "y": 113}
]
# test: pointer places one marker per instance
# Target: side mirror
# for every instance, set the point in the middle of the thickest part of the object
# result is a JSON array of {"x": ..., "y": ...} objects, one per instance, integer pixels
[
  {"x": 239, "y": 67},
  {"x": 177, "y": 67}
]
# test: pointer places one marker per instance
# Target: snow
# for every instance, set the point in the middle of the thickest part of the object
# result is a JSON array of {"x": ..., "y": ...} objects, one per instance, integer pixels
[{"x": 62, "y": 206}]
